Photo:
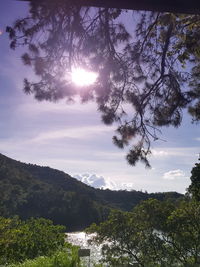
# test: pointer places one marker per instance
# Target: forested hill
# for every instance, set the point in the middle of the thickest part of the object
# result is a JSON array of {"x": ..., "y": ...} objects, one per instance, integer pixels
[{"x": 29, "y": 190}]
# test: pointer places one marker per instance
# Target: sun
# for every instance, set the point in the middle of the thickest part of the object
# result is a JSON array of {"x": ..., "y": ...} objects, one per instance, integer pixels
[{"x": 83, "y": 77}]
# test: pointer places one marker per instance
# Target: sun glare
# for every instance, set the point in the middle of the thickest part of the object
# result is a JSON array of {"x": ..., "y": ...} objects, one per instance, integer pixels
[{"x": 82, "y": 77}]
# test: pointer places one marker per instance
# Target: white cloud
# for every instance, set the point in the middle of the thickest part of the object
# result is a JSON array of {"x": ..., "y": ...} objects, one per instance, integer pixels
[
  {"x": 174, "y": 174},
  {"x": 75, "y": 132},
  {"x": 101, "y": 182},
  {"x": 91, "y": 179},
  {"x": 34, "y": 107},
  {"x": 159, "y": 153},
  {"x": 175, "y": 156},
  {"x": 126, "y": 186},
  {"x": 172, "y": 152}
]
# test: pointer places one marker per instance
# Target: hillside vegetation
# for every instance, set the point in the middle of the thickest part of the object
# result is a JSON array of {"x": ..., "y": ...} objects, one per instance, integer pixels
[{"x": 29, "y": 190}]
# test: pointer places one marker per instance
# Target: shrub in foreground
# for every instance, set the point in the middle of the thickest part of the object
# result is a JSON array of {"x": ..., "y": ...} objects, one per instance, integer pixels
[
  {"x": 21, "y": 240},
  {"x": 67, "y": 257}
]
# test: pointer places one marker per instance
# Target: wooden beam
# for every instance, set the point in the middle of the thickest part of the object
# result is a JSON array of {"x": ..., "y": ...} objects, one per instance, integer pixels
[{"x": 174, "y": 6}]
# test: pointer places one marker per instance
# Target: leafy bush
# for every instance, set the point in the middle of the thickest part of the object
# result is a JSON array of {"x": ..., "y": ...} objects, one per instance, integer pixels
[
  {"x": 21, "y": 240},
  {"x": 66, "y": 257}
]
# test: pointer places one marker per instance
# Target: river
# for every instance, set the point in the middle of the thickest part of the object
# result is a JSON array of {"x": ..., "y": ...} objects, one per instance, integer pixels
[{"x": 81, "y": 239}]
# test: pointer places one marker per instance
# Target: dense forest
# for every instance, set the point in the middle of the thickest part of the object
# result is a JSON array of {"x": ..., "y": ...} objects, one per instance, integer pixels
[
  {"x": 155, "y": 233},
  {"x": 33, "y": 191}
]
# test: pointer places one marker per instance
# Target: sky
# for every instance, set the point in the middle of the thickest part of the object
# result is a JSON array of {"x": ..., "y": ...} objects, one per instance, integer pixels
[{"x": 72, "y": 138}]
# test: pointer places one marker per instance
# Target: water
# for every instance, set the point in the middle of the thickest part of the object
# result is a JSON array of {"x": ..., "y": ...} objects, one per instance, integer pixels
[{"x": 81, "y": 239}]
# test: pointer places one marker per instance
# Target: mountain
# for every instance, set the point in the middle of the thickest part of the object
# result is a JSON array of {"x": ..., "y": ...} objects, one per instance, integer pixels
[{"x": 29, "y": 190}]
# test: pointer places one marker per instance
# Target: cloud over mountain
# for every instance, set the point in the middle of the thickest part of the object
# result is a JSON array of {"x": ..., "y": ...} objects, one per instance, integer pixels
[{"x": 102, "y": 182}]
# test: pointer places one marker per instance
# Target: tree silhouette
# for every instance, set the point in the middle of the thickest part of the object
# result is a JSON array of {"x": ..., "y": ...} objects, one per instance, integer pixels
[
  {"x": 194, "y": 188},
  {"x": 145, "y": 77}
]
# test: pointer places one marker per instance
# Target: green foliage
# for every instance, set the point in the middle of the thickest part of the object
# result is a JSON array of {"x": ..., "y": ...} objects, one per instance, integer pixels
[
  {"x": 155, "y": 233},
  {"x": 20, "y": 240},
  {"x": 194, "y": 188},
  {"x": 67, "y": 257},
  {"x": 145, "y": 68},
  {"x": 33, "y": 191},
  {"x": 184, "y": 225}
]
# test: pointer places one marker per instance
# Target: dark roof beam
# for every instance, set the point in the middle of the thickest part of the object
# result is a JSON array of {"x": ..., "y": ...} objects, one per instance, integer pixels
[{"x": 175, "y": 6}]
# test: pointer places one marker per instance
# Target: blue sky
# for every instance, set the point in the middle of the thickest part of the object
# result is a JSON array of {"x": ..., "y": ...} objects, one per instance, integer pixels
[{"x": 72, "y": 137}]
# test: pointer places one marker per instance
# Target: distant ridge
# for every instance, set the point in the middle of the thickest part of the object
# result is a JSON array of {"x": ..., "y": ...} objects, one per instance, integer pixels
[{"x": 29, "y": 190}]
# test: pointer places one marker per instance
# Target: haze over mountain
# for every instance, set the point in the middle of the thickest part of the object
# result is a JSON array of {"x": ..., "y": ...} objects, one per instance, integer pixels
[{"x": 30, "y": 190}]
